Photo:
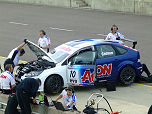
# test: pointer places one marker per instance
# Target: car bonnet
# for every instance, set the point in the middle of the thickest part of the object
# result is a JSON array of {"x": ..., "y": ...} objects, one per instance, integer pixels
[{"x": 37, "y": 50}]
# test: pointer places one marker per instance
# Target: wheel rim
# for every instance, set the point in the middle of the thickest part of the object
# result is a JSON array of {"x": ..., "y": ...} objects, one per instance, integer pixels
[
  {"x": 127, "y": 75},
  {"x": 55, "y": 84}
]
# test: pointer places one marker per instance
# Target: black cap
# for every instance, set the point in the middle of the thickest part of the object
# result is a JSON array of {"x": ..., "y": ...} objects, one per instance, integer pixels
[{"x": 22, "y": 51}]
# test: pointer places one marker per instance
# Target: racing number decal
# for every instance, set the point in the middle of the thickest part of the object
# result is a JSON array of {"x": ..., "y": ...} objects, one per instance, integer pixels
[
  {"x": 102, "y": 70},
  {"x": 73, "y": 76}
]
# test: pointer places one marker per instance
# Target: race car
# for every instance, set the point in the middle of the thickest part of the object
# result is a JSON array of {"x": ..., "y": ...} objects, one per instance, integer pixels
[{"x": 83, "y": 62}]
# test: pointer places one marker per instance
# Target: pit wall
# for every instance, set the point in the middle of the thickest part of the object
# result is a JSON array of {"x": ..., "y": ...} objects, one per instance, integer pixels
[{"x": 140, "y": 7}]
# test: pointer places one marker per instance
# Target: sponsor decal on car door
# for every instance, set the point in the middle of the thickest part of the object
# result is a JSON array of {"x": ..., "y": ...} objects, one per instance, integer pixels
[{"x": 81, "y": 75}]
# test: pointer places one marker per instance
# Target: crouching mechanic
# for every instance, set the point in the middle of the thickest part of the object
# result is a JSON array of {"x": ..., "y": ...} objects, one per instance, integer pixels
[
  {"x": 68, "y": 98},
  {"x": 24, "y": 91},
  {"x": 7, "y": 81}
]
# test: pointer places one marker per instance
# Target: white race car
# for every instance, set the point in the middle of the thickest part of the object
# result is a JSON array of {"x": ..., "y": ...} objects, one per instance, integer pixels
[{"x": 81, "y": 63}]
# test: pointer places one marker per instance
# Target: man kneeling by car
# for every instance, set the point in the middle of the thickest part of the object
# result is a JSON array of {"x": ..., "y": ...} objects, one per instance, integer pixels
[{"x": 68, "y": 98}]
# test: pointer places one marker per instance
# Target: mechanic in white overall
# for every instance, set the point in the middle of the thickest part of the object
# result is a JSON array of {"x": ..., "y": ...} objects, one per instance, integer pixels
[
  {"x": 115, "y": 35},
  {"x": 7, "y": 81},
  {"x": 44, "y": 41},
  {"x": 68, "y": 98},
  {"x": 13, "y": 57}
]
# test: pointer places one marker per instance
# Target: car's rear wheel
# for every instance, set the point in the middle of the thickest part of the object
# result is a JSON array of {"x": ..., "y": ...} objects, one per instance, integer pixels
[
  {"x": 127, "y": 75},
  {"x": 53, "y": 84}
]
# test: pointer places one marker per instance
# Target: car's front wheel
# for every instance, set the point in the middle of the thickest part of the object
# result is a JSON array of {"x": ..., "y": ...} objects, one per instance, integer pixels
[
  {"x": 53, "y": 84},
  {"x": 127, "y": 75}
]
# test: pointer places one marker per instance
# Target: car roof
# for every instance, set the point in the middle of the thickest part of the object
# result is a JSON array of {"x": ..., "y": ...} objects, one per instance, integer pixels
[
  {"x": 88, "y": 42},
  {"x": 74, "y": 45}
]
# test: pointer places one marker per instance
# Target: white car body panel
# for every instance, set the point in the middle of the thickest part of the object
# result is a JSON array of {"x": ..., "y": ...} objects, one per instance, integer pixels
[{"x": 59, "y": 70}]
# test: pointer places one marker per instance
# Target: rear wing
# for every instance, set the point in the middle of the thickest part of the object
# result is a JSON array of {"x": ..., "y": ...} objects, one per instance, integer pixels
[{"x": 134, "y": 42}]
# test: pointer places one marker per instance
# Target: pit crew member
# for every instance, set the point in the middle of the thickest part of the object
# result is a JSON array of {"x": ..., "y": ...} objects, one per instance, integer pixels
[
  {"x": 13, "y": 57},
  {"x": 114, "y": 34},
  {"x": 24, "y": 91},
  {"x": 68, "y": 98},
  {"x": 44, "y": 41},
  {"x": 7, "y": 81},
  {"x": 149, "y": 75}
]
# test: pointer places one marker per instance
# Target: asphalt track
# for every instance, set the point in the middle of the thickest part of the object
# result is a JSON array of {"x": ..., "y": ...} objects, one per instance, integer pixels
[{"x": 62, "y": 24}]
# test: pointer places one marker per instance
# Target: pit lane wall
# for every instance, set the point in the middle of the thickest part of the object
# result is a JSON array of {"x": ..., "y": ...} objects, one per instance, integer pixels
[{"x": 141, "y": 7}]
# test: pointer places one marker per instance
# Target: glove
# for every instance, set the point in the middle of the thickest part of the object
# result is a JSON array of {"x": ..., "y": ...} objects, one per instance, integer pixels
[{"x": 25, "y": 41}]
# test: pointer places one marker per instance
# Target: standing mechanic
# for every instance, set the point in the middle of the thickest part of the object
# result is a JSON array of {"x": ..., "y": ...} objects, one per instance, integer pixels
[
  {"x": 114, "y": 34},
  {"x": 7, "y": 81},
  {"x": 24, "y": 91},
  {"x": 68, "y": 98},
  {"x": 44, "y": 41},
  {"x": 13, "y": 57}
]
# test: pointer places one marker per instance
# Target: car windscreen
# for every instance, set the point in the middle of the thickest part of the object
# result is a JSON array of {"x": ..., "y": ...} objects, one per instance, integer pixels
[{"x": 58, "y": 55}]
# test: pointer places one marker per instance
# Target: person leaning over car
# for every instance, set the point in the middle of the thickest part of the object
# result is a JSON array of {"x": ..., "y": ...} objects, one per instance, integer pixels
[
  {"x": 26, "y": 90},
  {"x": 7, "y": 81},
  {"x": 68, "y": 98},
  {"x": 44, "y": 41},
  {"x": 13, "y": 57},
  {"x": 114, "y": 34}
]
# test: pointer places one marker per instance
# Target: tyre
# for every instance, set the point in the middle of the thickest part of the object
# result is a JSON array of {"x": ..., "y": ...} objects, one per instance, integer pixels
[
  {"x": 53, "y": 84},
  {"x": 150, "y": 110},
  {"x": 127, "y": 75}
]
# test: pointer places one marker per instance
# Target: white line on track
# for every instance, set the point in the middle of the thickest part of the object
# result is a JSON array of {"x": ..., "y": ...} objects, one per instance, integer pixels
[
  {"x": 61, "y": 29},
  {"x": 18, "y": 23},
  {"x": 102, "y": 34}
]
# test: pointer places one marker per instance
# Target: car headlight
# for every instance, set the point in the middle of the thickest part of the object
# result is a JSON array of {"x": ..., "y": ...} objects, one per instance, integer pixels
[{"x": 32, "y": 74}]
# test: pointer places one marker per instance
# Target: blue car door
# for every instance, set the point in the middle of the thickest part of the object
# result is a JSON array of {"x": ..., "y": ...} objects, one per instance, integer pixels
[{"x": 106, "y": 63}]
